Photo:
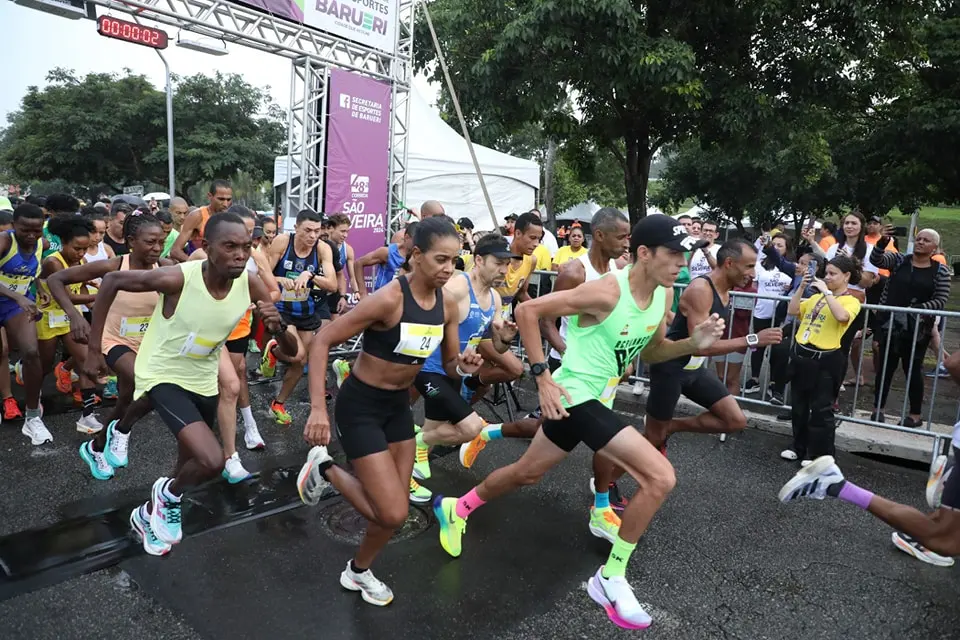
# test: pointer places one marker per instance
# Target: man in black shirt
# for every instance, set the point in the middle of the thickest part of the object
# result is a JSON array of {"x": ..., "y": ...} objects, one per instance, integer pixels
[{"x": 114, "y": 235}]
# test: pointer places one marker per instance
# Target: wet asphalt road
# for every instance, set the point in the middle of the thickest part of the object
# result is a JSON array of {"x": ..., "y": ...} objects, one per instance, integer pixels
[{"x": 722, "y": 559}]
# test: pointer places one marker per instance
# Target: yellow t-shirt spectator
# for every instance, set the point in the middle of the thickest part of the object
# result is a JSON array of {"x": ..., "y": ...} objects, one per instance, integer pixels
[
  {"x": 822, "y": 331},
  {"x": 544, "y": 259},
  {"x": 566, "y": 254}
]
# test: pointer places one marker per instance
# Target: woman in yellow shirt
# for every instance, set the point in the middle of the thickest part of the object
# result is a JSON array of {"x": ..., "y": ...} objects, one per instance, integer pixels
[
  {"x": 817, "y": 359},
  {"x": 571, "y": 252}
]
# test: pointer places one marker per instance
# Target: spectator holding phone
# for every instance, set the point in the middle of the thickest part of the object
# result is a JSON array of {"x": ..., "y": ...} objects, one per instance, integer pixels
[{"x": 818, "y": 358}]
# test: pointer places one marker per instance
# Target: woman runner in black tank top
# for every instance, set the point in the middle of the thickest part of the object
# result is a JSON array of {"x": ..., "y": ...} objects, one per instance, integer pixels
[{"x": 402, "y": 324}]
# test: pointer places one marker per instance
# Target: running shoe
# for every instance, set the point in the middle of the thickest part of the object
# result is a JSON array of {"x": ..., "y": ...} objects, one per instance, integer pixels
[
  {"x": 64, "y": 383},
  {"x": 268, "y": 363},
  {"x": 251, "y": 437},
  {"x": 310, "y": 484},
  {"x": 466, "y": 392},
  {"x": 470, "y": 450},
  {"x": 617, "y": 501},
  {"x": 140, "y": 523},
  {"x": 421, "y": 466},
  {"x": 11, "y": 410},
  {"x": 752, "y": 386},
  {"x": 166, "y": 515},
  {"x": 280, "y": 413},
  {"x": 100, "y": 469},
  {"x": 110, "y": 391},
  {"x": 419, "y": 494},
  {"x": 616, "y": 597},
  {"x": 89, "y": 424},
  {"x": 789, "y": 454},
  {"x": 18, "y": 373},
  {"x": 371, "y": 589},
  {"x": 117, "y": 446},
  {"x": 417, "y": 429},
  {"x": 639, "y": 388},
  {"x": 233, "y": 471},
  {"x": 252, "y": 346},
  {"x": 913, "y": 548},
  {"x": 342, "y": 370},
  {"x": 452, "y": 526},
  {"x": 604, "y": 523},
  {"x": 942, "y": 468},
  {"x": 812, "y": 481},
  {"x": 34, "y": 429}
]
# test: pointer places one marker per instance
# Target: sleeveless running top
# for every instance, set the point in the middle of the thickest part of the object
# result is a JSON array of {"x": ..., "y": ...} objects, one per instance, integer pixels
[
  {"x": 414, "y": 338},
  {"x": 597, "y": 355},
  {"x": 129, "y": 316},
  {"x": 184, "y": 349},
  {"x": 54, "y": 318},
  {"x": 242, "y": 330},
  {"x": 119, "y": 248},
  {"x": 591, "y": 274},
  {"x": 18, "y": 270},
  {"x": 678, "y": 329},
  {"x": 290, "y": 265},
  {"x": 101, "y": 254},
  {"x": 388, "y": 271},
  {"x": 471, "y": 329}
]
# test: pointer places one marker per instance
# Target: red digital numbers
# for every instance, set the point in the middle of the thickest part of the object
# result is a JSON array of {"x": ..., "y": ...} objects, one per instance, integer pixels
[{"x": 131, "y": 32}]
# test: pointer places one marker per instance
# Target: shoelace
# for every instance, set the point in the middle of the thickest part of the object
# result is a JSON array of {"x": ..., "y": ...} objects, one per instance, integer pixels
[
  {"x": 119, "y": 443},
  {"x": 172, "y": 510},
  {"x": 423, "y": 454},
  {"x": 100, "y": 459}
]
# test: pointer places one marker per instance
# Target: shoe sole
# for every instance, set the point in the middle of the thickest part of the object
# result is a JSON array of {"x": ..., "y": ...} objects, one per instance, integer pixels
[
  {"x": 417, "y": 500},
  {"x": 596, "y": 594},
  {"x": 350, "y": 585},
  {"x": 87, "y": 430},
  {"x": 464, "y": 449},
  {"x": 601, "y": 533},
  {"x": 231, "y": 480},
  {"x": 91, "y": 463},
  {"x": 908, "y": 549},
  {"x": 803, "y": 476},
  {"x": 142, "y": 535},
  {"x": 419, "y": 476},
  {"x": 939, "y": 468}
]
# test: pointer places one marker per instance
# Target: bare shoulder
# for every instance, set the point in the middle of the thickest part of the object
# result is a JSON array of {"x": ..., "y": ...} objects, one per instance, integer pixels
[{"x": 572, "y": 274}]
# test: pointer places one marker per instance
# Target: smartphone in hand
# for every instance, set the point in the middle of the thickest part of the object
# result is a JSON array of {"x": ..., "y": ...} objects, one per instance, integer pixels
[{"x": 812, "y": 269}]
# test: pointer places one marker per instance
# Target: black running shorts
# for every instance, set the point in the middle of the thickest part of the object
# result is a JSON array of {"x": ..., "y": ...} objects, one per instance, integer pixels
[
  {"x": 950, "y": 498},
  {"x": 178, "y": 407},
  {"x": 240, "y": 345},
  {"x": 669, "y": 380},
  {"x": 116, "y": 352},
  {"x": 368, "y": 419},
  {"x": 306, "y": 323},
  {"x": 441, "y": 398},
  {"x": 590, "y": 423}
]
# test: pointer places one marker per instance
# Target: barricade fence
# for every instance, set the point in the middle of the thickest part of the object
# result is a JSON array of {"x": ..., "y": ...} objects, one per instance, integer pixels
[{"x": 889, "y": 332}]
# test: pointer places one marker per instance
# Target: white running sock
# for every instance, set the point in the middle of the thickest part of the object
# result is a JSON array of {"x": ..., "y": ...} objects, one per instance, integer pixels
[{"x": 248, "y": 420}]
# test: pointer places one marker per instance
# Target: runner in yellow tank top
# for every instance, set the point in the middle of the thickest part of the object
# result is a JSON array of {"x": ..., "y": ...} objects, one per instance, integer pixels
[{"x": 200, "y": 304}]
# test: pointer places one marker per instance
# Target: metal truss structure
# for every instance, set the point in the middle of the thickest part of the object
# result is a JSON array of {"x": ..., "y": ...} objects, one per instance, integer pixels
[{"x": 312, "y": 52}]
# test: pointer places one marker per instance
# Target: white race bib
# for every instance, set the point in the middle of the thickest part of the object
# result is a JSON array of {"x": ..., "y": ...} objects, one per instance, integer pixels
[
  {"x": 506, "y": 311},
  {"x": 134, "y": 327},
  {"x": 418, "y": 340},
  {"x": 291, "y": 295},
  {"x": 18, "y": 287},
  {"x": 610, "y": 391},
  {"x": 474, "y": 342},
  {"x": 695, "y": 363},
  {"x": 196, "y": 347},
  {"x": 57, "y": 320}
]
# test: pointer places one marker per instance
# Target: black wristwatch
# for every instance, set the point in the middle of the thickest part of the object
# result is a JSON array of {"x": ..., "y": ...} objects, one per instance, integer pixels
[{"x": 538, "y": 368}]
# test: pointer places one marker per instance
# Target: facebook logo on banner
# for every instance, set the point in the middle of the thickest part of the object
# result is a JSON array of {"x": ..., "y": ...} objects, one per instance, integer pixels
[{"x": 344, "y": 101}]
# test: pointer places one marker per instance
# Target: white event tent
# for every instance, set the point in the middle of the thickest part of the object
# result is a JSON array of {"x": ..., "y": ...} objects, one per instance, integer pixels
[{"x": 439, "y": 168}]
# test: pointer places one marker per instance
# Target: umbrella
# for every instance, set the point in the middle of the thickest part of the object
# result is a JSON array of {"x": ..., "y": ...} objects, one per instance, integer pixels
[
  {"x": 156, "y": 195},
  {"x": 134, "y": 201}
]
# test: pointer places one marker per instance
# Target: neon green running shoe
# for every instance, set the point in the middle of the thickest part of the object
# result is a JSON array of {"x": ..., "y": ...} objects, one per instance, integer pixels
[
  {"x": 452, "y": 526},
  {"x": 604, "y": 523},
  {"x": 419, "y": 494},
  {"x": 280, "y": 413},
  {"x": 268, "y": 362},
  {"x": 342, "y": 368},
  {"x": 421, "y": 465}
]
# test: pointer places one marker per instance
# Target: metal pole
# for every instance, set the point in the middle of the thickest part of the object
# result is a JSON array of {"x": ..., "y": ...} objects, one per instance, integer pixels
[
  {"x": 913, "y": 230},
  {"x": 171, "y": 183}
]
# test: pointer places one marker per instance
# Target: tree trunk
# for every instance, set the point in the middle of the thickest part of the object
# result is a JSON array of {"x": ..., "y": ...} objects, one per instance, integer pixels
[
  {"x": 636, "y": 174},
  {"x": 550, "y": 161}
]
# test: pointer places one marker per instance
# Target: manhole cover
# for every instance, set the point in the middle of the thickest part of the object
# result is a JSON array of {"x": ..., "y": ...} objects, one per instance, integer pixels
[{"x": 344, "y": 523}]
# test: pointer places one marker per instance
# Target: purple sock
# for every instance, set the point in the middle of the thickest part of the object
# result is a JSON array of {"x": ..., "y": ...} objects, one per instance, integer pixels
[{"x": 853, "y": 494}]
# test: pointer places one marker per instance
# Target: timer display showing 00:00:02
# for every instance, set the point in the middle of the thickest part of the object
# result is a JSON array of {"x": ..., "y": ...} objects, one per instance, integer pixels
[{"x": 131, "y": 32}]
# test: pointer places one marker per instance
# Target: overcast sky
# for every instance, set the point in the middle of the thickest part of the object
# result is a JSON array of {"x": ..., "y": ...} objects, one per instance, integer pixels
[{"x": 35, "y": 42}]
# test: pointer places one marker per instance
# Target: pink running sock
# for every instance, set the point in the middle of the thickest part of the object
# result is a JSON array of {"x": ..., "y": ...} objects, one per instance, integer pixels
[{"x": 468, "y": 503}]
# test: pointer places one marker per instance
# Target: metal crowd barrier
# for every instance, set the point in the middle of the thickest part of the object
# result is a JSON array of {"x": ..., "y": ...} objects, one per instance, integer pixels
[{"x": 741, "y": 300}]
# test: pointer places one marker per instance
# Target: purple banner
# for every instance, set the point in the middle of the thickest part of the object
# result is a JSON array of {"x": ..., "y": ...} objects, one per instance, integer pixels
[{"x": 358, "y": 158}]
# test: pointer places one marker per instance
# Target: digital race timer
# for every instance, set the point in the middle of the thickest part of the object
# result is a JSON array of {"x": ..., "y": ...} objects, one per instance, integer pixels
[{"x": 131, "y": 32}]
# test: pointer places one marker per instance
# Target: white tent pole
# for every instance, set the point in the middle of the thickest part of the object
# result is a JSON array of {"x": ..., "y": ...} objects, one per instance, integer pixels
[{"x": 456, "y": 106}]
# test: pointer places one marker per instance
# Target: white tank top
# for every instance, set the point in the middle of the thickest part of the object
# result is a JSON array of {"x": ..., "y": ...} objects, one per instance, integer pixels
[
  {"x": 101, "y": 254},
  {"x": 591, "y": 274}
]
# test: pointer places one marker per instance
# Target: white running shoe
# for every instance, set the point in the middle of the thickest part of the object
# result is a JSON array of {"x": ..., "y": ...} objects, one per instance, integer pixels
[
  {"x": 913, "y": 548},
  {"x": 117, "y": 446},
  {"x": 233, "y": 471},
  {"x": 165, "y": 519},
  {"x": 34, "y": 429},
  {"x": 251, "y": 437},
  {"x": 616, "y": 597},
  {"x": 639, "y": 388},
  {"x": 938, "y": 477},
  {"x": 140, "y": 523},
  {"x": 89, "y": 424},
  {"x": 310, "y": 484},
  {"x": 371, "y": 589},
  {"x": 812, "y": 481},
  {"x": 788, "y": 454}
]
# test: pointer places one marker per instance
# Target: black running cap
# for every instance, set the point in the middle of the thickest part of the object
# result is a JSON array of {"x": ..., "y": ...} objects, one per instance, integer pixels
[{"x": 660, "y": 230}]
